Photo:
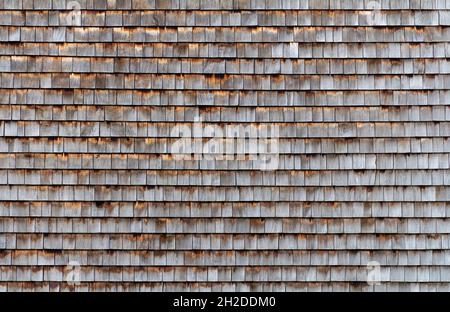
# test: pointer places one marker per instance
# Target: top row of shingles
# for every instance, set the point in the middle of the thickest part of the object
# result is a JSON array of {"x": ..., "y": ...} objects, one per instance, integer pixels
[
  {"x": 134, "y": 18},
  {"x": 225, "y": 4}
]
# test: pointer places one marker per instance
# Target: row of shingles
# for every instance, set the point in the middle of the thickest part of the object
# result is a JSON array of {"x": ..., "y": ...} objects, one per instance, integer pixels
[
  {"x": 230, "y": 82},
  {"x": 420, "y": 274},
  {"x": 311, "y": 163},
  {"x": 283, "y": 51},
  {"x": 224, "y": 18},
  {"x": 240, "y": 98},
  {"x": 94, "y": 145},
  {"x": 229, "y": 178},
  {"x": 225, "y": 193},
  {"x": 210, "y": 225},
  {"x": 164, "y": 129},
  {"x": 169, "y": 132},
  {"x": 30, "y": 64},
  {"x": 169, "y": 146},
  {"x": 288, "y": 258},
  {"x": 225, "y": 242},
  {"x": 223, "y": 4},
  {"x": 223, "y": 287},
  {"x": 314, "y": 210},
  {"x": 224, "y": 35},
  {"x": 163, "y": 116},
  {"x": 418, "y": 161}
]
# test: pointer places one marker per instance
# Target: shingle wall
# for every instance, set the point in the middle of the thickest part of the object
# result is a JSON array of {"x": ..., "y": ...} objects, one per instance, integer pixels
[{"x": 92, "y": 198}]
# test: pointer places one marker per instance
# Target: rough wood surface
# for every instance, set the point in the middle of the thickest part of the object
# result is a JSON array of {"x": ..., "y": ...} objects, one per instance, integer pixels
[{"x": 89, "y": 186}]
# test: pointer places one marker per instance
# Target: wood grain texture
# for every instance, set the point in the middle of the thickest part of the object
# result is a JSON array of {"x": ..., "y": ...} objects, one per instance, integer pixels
[{"x": 361, "y": 98}]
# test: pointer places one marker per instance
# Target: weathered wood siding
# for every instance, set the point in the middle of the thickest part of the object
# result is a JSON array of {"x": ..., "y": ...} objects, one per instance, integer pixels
[{"x": 361, "y": 98}]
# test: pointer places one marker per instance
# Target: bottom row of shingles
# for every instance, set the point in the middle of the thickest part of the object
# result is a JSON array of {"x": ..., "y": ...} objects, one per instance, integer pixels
[{"x": 222, "y": 287}]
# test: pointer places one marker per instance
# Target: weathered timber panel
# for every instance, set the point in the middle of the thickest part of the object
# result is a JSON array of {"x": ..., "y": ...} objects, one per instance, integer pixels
[{"x": 93, "y": 93}]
